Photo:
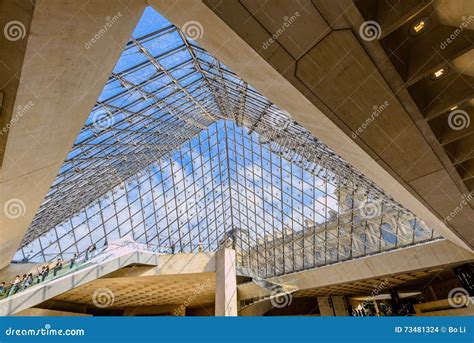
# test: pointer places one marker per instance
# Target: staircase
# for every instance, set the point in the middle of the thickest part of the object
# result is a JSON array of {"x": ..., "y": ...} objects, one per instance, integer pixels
[
  {"x": 270, "y": 293},
  {"x": 120, "y": 255}
]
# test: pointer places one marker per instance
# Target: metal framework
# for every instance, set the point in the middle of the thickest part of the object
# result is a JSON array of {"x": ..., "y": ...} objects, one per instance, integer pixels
[{"x": 179, "y": 151}]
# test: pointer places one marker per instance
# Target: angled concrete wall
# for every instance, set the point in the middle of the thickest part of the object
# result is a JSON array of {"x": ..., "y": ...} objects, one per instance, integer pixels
[{"x": 59, "y": 81}]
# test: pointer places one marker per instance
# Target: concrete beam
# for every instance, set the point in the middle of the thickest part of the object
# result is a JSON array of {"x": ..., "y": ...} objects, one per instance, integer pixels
[
  {"x": 425, "y": 256},
  {"x": 62, "y": 74},
  {"x": 15, "y": 23}
]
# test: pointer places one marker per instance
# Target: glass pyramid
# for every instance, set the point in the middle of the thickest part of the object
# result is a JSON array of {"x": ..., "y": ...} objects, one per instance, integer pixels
[{"x": 182, "y": 154}]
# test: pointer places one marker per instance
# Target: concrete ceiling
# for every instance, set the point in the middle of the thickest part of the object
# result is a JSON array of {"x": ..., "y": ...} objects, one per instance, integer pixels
[{"x": 193, "y": 289}]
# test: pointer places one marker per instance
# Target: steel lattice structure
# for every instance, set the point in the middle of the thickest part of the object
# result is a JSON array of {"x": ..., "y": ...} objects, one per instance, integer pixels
[{"x": 166, "y": 98}]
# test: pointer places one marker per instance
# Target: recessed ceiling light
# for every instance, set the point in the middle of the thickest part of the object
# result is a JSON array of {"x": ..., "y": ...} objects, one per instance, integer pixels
[
  {"x": 439, "y": 73},
  {"x": 419, "y": 26}
]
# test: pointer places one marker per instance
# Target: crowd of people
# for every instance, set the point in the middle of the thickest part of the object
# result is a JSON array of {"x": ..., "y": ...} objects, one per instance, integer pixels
[{"x": 22, "y": 283}]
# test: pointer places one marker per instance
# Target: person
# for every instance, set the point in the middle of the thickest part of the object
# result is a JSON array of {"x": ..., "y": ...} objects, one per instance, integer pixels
[
  {"x": 15, "y": 285},
  {"x": 45, "y": 273},
  {"x": 200, "y": 249},
  {"x": 3, "y": 288},
  {"x": 57, "y": 267},
  {"x": 90, "y": 252},
  {"x": 73, "y": 260},
  {"x": 173, "y": 246},
  {"x": 39, "y": 276},
  {"x": 21, "y": 285},
  {"x": 93, "y": 250},
  {"x": 28, "y": 281}
]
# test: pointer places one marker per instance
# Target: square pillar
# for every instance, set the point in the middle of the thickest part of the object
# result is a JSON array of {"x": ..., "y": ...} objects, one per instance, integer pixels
[
  {"x": 226, "y": 283},
  {"x": 325, "y": 306},
  {"x": 333, "y": 306},
  {"x": 340, "y": 306}
]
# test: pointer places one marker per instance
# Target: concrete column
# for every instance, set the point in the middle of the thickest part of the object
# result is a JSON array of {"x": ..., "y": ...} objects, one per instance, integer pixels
[
  {"x": 325, "y": 306},
  {"x": 339, "y": 305},
  {"x": 226, "y": 283},
  {"x": 333, "y": 306}
]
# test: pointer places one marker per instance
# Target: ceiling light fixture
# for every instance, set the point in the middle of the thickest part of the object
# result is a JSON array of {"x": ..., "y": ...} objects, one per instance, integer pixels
[
  {"x": 419, "y": 26},
  {"x": 453, "y": 108},
  {"x": 439, "y": 73}
]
